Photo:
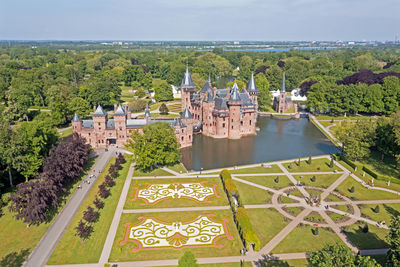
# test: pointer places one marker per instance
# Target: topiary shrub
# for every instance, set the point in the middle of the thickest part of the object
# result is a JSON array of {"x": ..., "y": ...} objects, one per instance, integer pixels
[
  {"x": 376, "y": 209},
  {"x": 276, "y": 180},
  {"x": 313, "y": 179},
  {"x": 315, "y": 231},
  {"x": 365, "y": 228},
  {"x": 352, "y": 189},
  {"x": 309, "y": 160}
]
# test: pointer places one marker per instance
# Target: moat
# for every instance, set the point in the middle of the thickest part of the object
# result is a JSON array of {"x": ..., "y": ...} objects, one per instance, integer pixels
[{"x": 276, "y": 140}]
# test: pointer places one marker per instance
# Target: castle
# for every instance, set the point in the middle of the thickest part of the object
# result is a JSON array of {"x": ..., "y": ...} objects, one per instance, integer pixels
[
  {"x": 218, "y": 113},
  {"x": 283, "y": 103}
]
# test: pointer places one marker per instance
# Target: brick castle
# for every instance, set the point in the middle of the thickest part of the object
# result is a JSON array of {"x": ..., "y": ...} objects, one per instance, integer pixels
[{"x": 218, "y": 113}]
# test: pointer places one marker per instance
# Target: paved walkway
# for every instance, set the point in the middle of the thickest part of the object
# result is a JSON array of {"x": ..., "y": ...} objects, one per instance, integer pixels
[
  {"x": 47, "y": 244},
  {"x": 293, "y": 180}
]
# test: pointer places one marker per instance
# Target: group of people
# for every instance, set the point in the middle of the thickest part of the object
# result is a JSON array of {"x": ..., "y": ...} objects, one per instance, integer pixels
[{"x": 87, "y": 181}]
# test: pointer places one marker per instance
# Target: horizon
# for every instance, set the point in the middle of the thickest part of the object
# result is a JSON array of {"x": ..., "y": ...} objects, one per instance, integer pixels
[{"x": 179, "y": 20}]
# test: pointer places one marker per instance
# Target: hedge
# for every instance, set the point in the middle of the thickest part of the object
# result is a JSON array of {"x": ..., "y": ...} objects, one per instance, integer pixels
[
  {"x": 349, "y": 162},
  {"x": 246, "y": 229},
  {"x": 228, "y": 182},
  {"x": 370, "y": 172}
]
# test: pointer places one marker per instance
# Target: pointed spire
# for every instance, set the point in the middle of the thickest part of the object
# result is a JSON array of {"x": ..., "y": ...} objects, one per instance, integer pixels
[
  {"x": 186, "y": 114},
  {"x": 235, "y": 95},
  {"x": 76, "y": 118},
  {"x": 119, "y": 111},
  {"x": 147, "y": 111},
  {"x": 251, "y": 85},
  {"x": 100, "y": 112},
  {"x": 187, "y": 80},
  {"x": 206, "y": 86},
  {"x": 283, "y": 89},
  {"x": 209, "y": 96}
]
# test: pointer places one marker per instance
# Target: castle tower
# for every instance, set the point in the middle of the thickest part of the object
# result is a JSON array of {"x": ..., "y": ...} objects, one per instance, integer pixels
[
  {"x": 234, "y": 104},
  {"x": 99, "y": 125},
  {"x": 187, "y": 89},
  {"x": 187, "y": 117},
  {"x": 120, "y": 125},
  {"x": 76, "y": 124},
  {"x": 253, "y": 91},
  {"x": 206, "y": 87},
  {"x": 282, "y": 98}
]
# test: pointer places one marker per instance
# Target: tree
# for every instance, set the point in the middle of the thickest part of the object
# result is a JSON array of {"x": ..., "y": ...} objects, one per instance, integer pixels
[
  {"x": 83, "y": 230},
  {"x": 98, "y": 203},
  {"x": 156, "y": 146},
  {"x": 90, "y": 215},
  {"x": 245, "y": 66},
  {"x": 163, "y": 109},
  {"x": 264, "y": 98},
  {"x": 339, "y": 255},
  {"x": 393, "y": 238},
  {"x": 79, "y": 106},
  {"x": 104, "y": 192},
  {"x": 137, "y": 105},
  {"x": 109, "y": 181},
  {"x": 163, "y": 91},
  {"x": 187, "y": 260}
]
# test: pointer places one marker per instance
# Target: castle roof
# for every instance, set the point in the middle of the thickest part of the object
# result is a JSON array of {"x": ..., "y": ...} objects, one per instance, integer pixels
[
  {"x": 76, "y": 118},
  {"x": 283, "y": 89},
  {"x": 100, "y": 112},
  {"x": 235, "y": 95},
  {"x": 222, "y": 92},
  {"x": 209, "y": 97},
  {"x": 186, "y": 114},
  {"x": 178, "y": 122},
  {"x": 245, "y": 99},
  {"x": 119, "y": 111},
  {"x": 187, "y": 80},
  {"x": 220, "y": 103},
  {"x": 251, "y": 85},
  {"x": 87, "y": 124},
  {"x": 110, "y": 124},
  {"x": 206, "y": 86}
]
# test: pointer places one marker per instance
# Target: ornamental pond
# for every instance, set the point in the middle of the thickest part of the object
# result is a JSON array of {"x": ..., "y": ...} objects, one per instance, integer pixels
[{"x": 276, "y": 140}]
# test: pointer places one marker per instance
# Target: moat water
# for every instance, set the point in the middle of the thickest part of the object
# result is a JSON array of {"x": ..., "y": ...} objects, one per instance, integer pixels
[{"x": 276, "y": 140}]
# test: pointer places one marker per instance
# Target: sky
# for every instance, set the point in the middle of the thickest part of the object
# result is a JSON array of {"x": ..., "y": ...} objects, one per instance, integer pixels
[{"x": 261, "y": 20}]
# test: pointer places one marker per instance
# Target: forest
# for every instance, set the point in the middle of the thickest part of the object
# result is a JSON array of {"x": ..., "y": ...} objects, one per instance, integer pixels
[{"x": 68, "y": 81}]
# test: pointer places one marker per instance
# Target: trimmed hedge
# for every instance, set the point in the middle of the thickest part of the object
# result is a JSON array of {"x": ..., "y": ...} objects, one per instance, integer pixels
[
  {"x": 246, "y": 229},
  {"x": 370, "y": 172},
  {"x": 349, "y": 162}
]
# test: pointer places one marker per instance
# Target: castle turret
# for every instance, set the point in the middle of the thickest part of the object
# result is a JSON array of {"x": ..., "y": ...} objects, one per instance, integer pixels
[
  {"x": 100, "y": 125},
  {"x": 187, "y": 89},
  {"x": 206, "y": 88},
  {"x": 282, "y": 97},
  {"x": 234, "y": 104},
  {"x": 253, "y": 90},
  {"x": 76, "y": 124}
]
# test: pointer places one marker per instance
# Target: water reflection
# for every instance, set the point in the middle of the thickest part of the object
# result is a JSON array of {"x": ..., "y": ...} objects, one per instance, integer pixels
[{"x": 276, "y": 140}]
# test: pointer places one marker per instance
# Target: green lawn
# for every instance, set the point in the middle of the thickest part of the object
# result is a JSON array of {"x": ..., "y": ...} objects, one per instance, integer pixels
[
  {"x": 65, "y": 134},
  {"x": 362, "y": 193},
  {"x": 228, "y": 264},
  {"x": 301, "y": 239},
  {"x": 314, "y": 217},
  {"x": 269, "y": 181},
  {"x": 252, "y": 195},
  {"x": 71, "y": 249},
  {"x": 386, "y": 211},
  {"x": 219, "y": 200},
  {"x": 18, "y": 240},
  {"x": 332, "y": 198},
  {"x": 169, "y": 115},
  {"x": 178, "y": 168},
  {"x": 266, "y": 223},
  {"x": 324, "y": 180},
  {"x": 124, "y": 253},
  {"x": 294, "y": 211},
  {"x": 336, "y": 217},
  {"x": 317, "y": 165},
  {"x": 157, "y": 172},
  {"x": 274, "y": 169},
  {"x": 375, "y": 238}
]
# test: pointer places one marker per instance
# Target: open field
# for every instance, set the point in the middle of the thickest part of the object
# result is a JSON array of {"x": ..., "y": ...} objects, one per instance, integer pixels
[
  {"x": 252, "y": 195},
  {"x": 317, "y": 165}
]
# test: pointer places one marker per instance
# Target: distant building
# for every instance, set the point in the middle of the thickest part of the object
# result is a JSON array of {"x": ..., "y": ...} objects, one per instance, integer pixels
[
  {"x": 283, "y": 102},
  {"x": 176, "y": 91}
]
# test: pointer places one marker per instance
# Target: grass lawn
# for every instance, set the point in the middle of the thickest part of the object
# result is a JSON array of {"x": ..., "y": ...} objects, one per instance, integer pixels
[
  {"x": 267, "y": 223},
  {"x": 332, "y": 198},
  {"x": 252, "y": 195},
  {"x": 18, "y": 240},
  {"x": 176, "y": 202},
  {"x": 274, "y": 169},
  {"x": 362, "y": 193},
  {"x": 178, "y": 168},
  {"x": 328, "y": 123},
  {"x": 317, "y": 165},
  {"x": 169, "y": 115},
  {"x": 314, "y": 217},
  {"x": 375, "y": 238},
  {"x": 124, "y": 253},
  {"x": 301, "y": 239},
  {"x": 65, "y": 134},
  {"x": 157, "y": 172},
  {"x": 70, "y": 249},
  {"x": 386, "y": 211},
  {"x": 294, "y": 211},
  {"x": 286, "y": 263},
  {"x": 269, "y": 181},
  {"x": 322, "y": 180},
  {"x": 228, "y": 264},
  {"x": 336, "y": 217}
]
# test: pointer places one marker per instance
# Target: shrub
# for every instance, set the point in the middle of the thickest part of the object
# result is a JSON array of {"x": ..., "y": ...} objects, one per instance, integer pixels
[
  {"x": 365, "y": 228},
  {"x": 376, "y": 209},
  {"x": 98, "y": 203},
  {"x": 309, "y": 160},
  {"x": 352, "y": 189},
  {"x": 349, "y": 162},
  {"x": 331, "y": 164},
  {"x": 370, "y": 172},
  {"x": 109, "y": 182},
  {"x": 90, "y": 215},
  {"x": 313, "y": 179},
  {"x": 83, "y": 230},
  {"x": 164, "y": 109},
  {"x": 315, "y": 231},
  {"x": 104, "y": 192},
  {"x": 276, "y": 180},
  {"x": 246, "y": 229}
]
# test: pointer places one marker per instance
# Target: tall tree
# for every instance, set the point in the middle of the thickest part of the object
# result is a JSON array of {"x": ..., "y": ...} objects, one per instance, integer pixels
[
  {"x": 163, "y": 91},
  {"x": 187, "y": 260},
  {"x": 264, "y": 98},
  {"x": 393, "y": 238}
]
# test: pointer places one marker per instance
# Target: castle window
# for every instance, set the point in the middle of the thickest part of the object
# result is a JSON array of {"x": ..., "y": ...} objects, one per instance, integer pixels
[
  {"x": 182, "y": 130},
  {"x": 99, "y": 123},
  {"x": 250, "y": 122},
  {"x": 223, "y": 125},
  {"x": 241, "y": 123},
  {"x": 232, "y": 126},
  {"x": 189, "y": 137},
  {"x": 182, "y": 138}
]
